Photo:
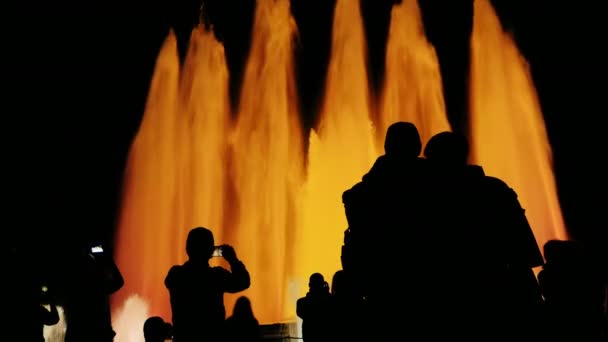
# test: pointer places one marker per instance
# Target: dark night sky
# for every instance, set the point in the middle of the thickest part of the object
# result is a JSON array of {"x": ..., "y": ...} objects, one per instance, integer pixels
[{"x": 76, "y": 84}]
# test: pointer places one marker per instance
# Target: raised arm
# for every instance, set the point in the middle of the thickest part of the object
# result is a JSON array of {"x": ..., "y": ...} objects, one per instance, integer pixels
[{"x": 238, "y": 278}]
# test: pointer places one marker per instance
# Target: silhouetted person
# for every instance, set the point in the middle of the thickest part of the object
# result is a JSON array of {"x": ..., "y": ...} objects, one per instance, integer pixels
[
  {"x": 94, "y": 278},
  {"x": 315, "y": 310},
  {"x": 387, "y": 234},
  {"x": 378, "y": 207},
  {"x": 24, "y": 296},
  {"x": 573, "y": 291},
  {"x": 242, "y": 326},
  {"x": 485, "y": 244},
  {"x": 462, "y": 247},
  {"x": 197, "y": 289},
  {"x": 349, "y": 321},
  {"x": 402, "y": 146},
  {"x": 157, "y": 330}
]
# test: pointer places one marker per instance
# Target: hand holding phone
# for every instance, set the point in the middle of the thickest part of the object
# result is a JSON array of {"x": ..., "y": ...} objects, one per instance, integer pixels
[
  {"x": 228, "y": 253},
  {"x": 217, "y": 252},
  {"x": 97, "y": 249}
]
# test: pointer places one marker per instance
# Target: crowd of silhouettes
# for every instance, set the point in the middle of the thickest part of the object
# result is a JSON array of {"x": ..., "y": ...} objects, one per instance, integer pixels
[{"x": 434, "y": 249}]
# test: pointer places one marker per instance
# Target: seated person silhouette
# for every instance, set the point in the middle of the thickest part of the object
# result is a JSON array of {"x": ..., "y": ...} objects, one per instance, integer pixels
[
  {"x": 197, "y": 290},
  {"x": 315, "y": 310},
  {"x": 157, "y": 330},
  {"x": 242, "y": 326}
]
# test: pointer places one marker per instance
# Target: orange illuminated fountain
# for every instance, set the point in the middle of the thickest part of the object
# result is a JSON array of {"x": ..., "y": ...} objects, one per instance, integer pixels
[
  {"x": 341, "y": 148},
  {"x": 203, "y": 123},
  {"x": 507, "y": 128},
  {"x": 252, "y": 182},
  {"x": 146, "y": 227},
  {"x": 412, "y": 89},
  {"x": 267, "y": 160},
  {"x": 175, "y": 176}
]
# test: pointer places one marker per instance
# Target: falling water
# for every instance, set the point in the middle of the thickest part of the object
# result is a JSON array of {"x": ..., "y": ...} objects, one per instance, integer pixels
[
  {"x": 191, "y": 165},
  {"x": 268, "y": 159},
  {"x": 341, "y": 148},
  {"x": 203, "y": 123},
  {"x": 412, "y": 89},
  {"x": 507, "y": 128},
  {"x": 175, "y": 176},
  {"x": 144, "y": 242}
]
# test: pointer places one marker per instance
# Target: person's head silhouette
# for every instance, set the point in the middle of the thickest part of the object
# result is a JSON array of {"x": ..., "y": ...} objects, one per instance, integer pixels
[
  {"x": 156, "y": 329},
  {"x": 447, "y": 148},
  {"x": 338, "y": 282},
  {"x": 317, "y": 283},
  {"x": 200, "y": 244},
  {"x": 242, "y": 308},
  {"x": 402, "y": 140}
]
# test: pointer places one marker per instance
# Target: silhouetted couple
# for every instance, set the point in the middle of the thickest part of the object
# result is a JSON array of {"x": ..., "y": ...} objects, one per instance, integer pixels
[
  {"x": 334, "y": 314},
  {"x": 437, "y": 247},
  {"x": 197, "y": 289}
]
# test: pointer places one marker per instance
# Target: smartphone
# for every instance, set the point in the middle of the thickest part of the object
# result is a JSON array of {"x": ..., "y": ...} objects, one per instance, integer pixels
[
  {"x": 217, "y": 251},
  {"x": 96, "y": 249}
]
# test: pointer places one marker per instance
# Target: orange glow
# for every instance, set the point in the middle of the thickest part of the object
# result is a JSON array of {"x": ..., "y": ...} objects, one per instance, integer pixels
[
  {"x": 267, "y": 165},
  {"x": 146, "y": 227},
  {"x": 341, "y": 149},
  {"x": 202, "y": 132},
  {"x": 412, "y": 89},
  {"x": 175, "y": 173},
  {"x": 192, "y": 165},
  {"x": 507, "y": 129}
]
